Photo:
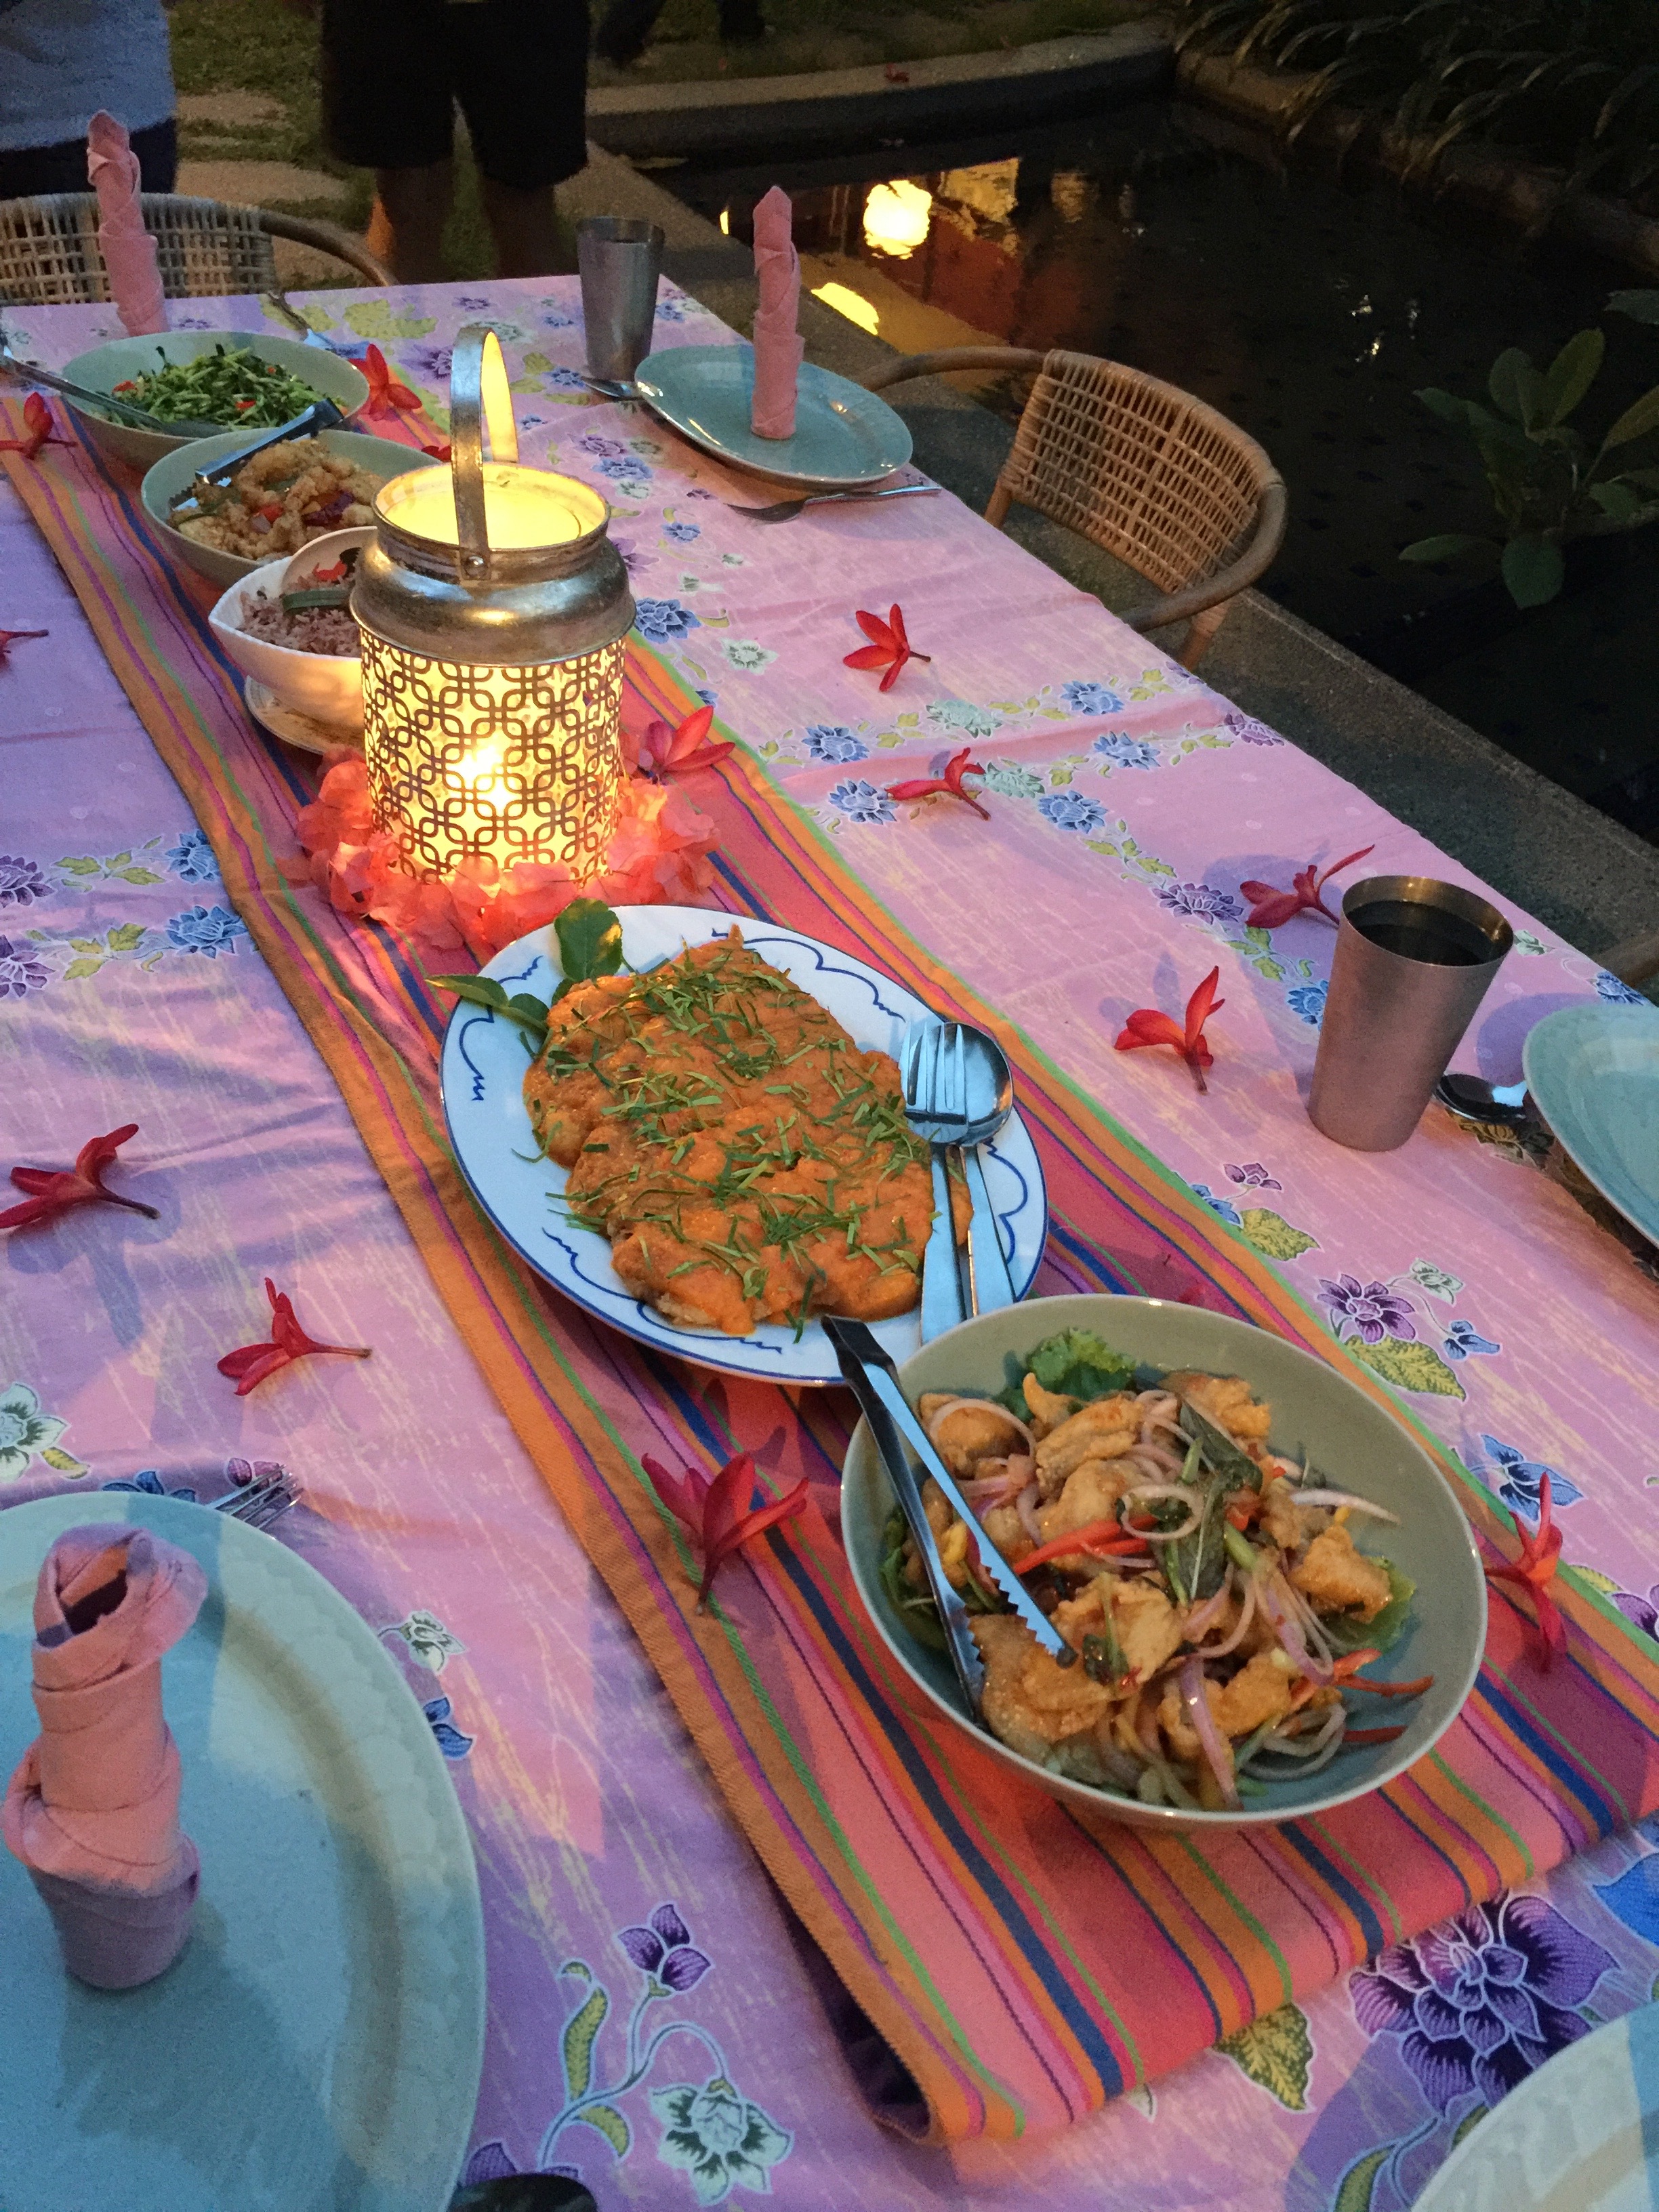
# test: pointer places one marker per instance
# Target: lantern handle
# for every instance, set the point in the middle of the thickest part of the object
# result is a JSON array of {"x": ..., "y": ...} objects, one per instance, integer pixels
[{"x": 479, "y": 399}]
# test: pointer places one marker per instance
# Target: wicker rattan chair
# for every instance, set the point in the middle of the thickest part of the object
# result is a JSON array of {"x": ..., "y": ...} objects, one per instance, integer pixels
[
  {"x": 1156, "y": 477},
  {"x": 206, "y": 249}
]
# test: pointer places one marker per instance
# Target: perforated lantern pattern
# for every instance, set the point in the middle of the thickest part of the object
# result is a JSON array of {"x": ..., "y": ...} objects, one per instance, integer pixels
[{"x": 514, "y": 763}]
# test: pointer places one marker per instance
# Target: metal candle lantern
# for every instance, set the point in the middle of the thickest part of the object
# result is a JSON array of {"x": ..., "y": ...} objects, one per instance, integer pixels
[{"x": 493, "y": 608}]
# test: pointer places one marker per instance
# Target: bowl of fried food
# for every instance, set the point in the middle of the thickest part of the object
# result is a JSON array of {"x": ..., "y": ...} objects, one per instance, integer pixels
[
  {"x": 1272, "y": 1595},
  {"x": 286, "y": 496},
  {"x": 243, "y": 381}
]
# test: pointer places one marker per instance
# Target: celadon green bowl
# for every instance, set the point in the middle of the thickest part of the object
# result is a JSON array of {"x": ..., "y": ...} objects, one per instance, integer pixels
[
  {"x": 107, "y": 365},
  {"x": 1353, "y": 1442}
]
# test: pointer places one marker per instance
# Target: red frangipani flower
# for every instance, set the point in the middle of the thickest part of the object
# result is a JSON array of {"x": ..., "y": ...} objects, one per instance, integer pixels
[
  {"x": 385, "y": 392},
  {"x": 54, "y": 1190},
  {"x": 288, "y": 1342},
  {"x": 10, "y": 637},
  {"x": 666, "y": 751},
  {"x": 889, "y": 646},
  {"x": 1534, "y": 1571},
  {"x": 1272, "y": 909},
  {"x": 37, "y": 413},
  {"x": 711, "y": 1511},
  {"x": 1147, "y": 1025},
  {"x": 924, "y": 787}
]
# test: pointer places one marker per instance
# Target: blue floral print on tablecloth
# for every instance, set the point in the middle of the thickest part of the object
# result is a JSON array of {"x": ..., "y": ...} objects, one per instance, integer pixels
[
  {"x": 861, "y": 801},
  {"x": 564, "y": 379},
  {"x": 211, "y": 930},
  {"x": 451, "y": 1741},
  {"x": 670, "y": 311},
  {"x": 1013, "y": 783},
  {"x": 659, "y": 622},
  {"x": 1122, "y": 750},
  {"x": 1224, "y": 1207},
  {"x": 555, "y": 317},
  {"x": 20, "y": 971},
  {"x": 147, "y": 1483},
  {"x": 23, "y": 881},
  {"x": 605, "y": 448},
  {"x": 1307, "y": 1002},
  {"x": 1462, "y": 1339},
  {"x": 1252, "y": 732},
  {"x": 682, "y": 533},
  {"x": 1085, "y": 698},
  {"x": 1199, "y": 900},
  {"x": 834, "y": 741},
  {"x": 1520, "y": 1480},
  {"x": 1482, "y": 2000},
  {"x": 621, "y": 465},
  {"x": 961, "y": 715},
  {"x": 432, "y": 361},
  {"x": 1068, "y": 810},
  {"x": 1616, "y": 992},
  {"x": 1371, "y": 1310},
  {"x": 192, "y": 858}
]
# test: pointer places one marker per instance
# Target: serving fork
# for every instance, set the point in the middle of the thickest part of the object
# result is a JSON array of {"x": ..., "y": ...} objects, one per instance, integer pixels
[
  {"x": 258, "y": 1504},
  {"x": 786, "y": 510},
  {"x": 934, "y": 1069}
]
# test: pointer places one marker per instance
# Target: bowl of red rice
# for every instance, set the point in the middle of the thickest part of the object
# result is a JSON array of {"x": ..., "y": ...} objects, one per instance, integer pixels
[{"x": 309, "y": 657}]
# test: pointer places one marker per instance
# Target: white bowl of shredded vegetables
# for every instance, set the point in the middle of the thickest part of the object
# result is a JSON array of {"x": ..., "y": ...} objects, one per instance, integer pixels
[
  {"x": 237, "y": 378},
  {"x": 1274, "y": 1596}
]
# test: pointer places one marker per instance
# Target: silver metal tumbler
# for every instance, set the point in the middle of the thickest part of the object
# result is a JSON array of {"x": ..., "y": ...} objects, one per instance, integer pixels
[
  {"x": 620, "y": 257},
  {"x": 1413, "y": 960}
]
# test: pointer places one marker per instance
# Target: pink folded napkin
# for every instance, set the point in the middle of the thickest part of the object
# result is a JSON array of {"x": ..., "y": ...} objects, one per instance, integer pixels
[
  {"x": 778, "y": 345},
  {"x": 93, "y": 1808},
  {"x": 128, "y": 249}
]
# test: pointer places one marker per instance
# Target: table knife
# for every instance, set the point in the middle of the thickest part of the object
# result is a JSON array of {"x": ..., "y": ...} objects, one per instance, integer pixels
[{"x": 875, "y": 1385}]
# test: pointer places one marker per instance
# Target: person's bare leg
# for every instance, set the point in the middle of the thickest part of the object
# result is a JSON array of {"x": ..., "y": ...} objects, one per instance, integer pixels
[
  {"x": 525, "y": 225},
  {"x": 406, "y": 229}
]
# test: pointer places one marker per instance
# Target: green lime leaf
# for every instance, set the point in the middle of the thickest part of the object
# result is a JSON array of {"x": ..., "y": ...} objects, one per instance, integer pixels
[
  {"x": 1641, "y": 306},
  {"x": 1360, "y": 2179},
  {"x": 611, "y": 2124},
  {"x": 580, "y": 2031},
  {"x": 1533, "y": 567},
  {"x": 1409, "y": 1367},
  {"x": 1516, "y": 387},
  {"x": 1275, "y": 2050},
  {"x": 590, "y": 942},
  {"x": 1570, "y": 376},
  {"x": 1455, "y": 411},
  {"x": 1636, "y": 422},
  {"x": 1446, "y": 547},
  {"x": 1617, "y": 502},
  {"x": 481, "y": 990},
  {"x": 1271, "y": 1234}
]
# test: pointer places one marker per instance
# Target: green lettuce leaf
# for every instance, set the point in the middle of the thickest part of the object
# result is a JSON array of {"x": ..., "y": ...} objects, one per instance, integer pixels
[
  {"x": 1346, "y": 1632},
  {"x": 1077, "y": 1364}
]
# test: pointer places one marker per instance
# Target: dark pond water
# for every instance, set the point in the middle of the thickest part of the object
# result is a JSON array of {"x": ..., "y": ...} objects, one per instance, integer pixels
[{"x": 1311, "y": 315}]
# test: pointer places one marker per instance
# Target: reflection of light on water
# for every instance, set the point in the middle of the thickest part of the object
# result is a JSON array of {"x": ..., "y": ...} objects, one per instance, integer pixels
[
  {"x": 989, "y": 189},
  {"x": 896, "y": 216},
  {"x": 851, "y": 304},
  {"x": 726, "y": 222}
]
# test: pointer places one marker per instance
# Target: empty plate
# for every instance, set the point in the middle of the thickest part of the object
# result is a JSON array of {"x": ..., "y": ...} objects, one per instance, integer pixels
[
  {"x": 1594, "y": 1074},
  {"x": 845, "y": 437}
]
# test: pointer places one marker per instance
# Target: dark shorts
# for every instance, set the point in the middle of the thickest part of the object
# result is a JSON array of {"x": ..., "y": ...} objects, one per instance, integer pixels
[
  {"x": 62, "y": 168},
  {"x": 392, "y": 69}
]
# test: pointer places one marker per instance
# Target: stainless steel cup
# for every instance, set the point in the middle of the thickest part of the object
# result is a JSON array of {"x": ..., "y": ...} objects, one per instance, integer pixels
[
  {"x": 620, "y": 257},
  {"x": 1414, "y": 958}
]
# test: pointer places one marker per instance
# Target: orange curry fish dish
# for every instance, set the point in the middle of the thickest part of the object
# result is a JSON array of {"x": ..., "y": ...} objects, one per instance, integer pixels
[{"x": 746, "y": 1160}]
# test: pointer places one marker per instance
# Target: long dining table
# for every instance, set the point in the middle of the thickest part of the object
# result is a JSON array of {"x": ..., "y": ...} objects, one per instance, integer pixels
[{"x": 703, "y": 1842}]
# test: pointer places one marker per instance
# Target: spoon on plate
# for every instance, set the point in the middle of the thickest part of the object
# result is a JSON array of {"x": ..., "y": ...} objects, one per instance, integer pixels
[{"x": 1471, "y": 1099}]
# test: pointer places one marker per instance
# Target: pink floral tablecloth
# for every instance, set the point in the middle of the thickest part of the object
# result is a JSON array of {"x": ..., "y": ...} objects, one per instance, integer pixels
[{"x": 652, "y": 2022}]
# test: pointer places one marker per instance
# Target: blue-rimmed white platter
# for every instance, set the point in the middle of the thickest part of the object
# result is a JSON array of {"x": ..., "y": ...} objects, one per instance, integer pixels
[{"x": 483, "y": 1067}]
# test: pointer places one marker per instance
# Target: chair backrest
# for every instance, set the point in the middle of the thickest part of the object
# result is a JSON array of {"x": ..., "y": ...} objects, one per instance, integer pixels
[
  {"x": 1141, "y": 468},
  {"x": 204, "y": 248}
]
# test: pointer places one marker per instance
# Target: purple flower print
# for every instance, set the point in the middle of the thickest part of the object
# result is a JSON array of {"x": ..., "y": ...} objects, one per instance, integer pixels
[
  {"x": 22, "y": 882},
  {"x": 605, "y": 448},
  {"x": 1484, "y": 1998},
  {"x": 429, "y": 361},
  {"x": 1253, "y": 1175},
  {"x": 464, "y": 299},
  {"x": 632, "y": 559},
  {"x": 665, "y": 1950},
  {"x": 20, "y": 972},
  {"x": 1252, "y": 732},
  {"x": 1375, "y": 1310},
  {"x": 682, "y": 533},
  {"x": 1643, "y": 1611},
  {"x": 1199, "y": 900}
]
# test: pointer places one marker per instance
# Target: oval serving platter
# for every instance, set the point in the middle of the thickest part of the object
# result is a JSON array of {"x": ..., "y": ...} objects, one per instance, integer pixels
[{"x": 484, "y": 1068}]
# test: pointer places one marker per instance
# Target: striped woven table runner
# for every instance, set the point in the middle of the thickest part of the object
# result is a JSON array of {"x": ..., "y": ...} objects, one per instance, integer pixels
[{"x": 1021, "y": 1968}]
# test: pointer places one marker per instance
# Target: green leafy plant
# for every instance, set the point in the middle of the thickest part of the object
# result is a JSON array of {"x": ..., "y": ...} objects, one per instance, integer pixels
[{"x": 1548, "y": 484}]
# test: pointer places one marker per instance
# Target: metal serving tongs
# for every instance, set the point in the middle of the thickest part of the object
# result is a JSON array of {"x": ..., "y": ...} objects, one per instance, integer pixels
[
  {"x": 30, "y": 372},
  {"x": 321, "y": 415},
  {"x": 873, "y": 1380}
]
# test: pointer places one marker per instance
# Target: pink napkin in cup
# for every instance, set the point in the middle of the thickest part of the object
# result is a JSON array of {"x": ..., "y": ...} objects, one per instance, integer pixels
[
  {"x": 93, "y": 1808},
  {"x": 778, "y": 345},
  {"x": 128, "y": 249}
]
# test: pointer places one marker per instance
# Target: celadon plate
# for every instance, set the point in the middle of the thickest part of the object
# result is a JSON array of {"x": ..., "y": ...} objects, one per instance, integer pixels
[
  {"x": 1573, "y": 2138},
  {"x": 1352, "y": 1442},
  {"x": 1593, "y": 1072},
  {"x": 483, "y": 1073},
  {"x": 845, "y": 437},
  {"x": 317, "y": 2046}
]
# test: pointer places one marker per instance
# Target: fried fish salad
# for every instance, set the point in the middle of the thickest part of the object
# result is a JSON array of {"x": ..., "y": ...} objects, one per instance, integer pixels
[
  {"x": 746, "y": 1160},
  {"x": 1216, "y": 1597}
]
